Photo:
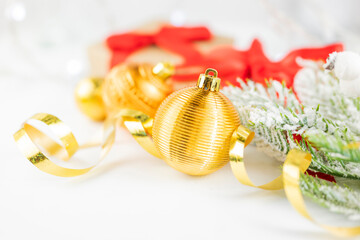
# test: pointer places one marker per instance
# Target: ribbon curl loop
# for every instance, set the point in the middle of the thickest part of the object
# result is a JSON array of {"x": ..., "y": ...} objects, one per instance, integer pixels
[
  {"x": 296, "y": 163},
  {"x": 240, "y": 139},
  {"x": 31, "y": 140}
]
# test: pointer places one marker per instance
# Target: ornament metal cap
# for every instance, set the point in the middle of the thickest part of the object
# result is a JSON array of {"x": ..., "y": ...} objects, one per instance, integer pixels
[
  {"x": 164, "y": 70},
  {"x": 209, "y": 82}
]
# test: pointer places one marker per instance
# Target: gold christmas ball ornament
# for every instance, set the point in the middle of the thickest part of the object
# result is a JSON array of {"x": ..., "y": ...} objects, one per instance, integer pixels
[
  {"x": 88, "y": 95},
  {"x": 139, "y": 87},
  {"x": 193, "y": 127}
]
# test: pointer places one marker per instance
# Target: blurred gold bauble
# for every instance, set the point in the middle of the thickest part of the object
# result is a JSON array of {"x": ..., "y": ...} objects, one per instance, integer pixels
[
  {"x": 88, "y": 95},
  {"x": 139, "y": 87},
  {"x": 193, "y": 127}
]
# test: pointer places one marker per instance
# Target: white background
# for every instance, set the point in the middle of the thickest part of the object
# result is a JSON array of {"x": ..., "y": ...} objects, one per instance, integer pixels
[{"x": 132, "y": 195}]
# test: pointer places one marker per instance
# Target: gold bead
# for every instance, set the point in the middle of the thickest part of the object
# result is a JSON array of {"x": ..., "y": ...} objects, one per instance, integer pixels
[
  {"x": 193, "y": 127},
  {"x": 140, "y": 87},
  {"x": 88, "y": 95}
]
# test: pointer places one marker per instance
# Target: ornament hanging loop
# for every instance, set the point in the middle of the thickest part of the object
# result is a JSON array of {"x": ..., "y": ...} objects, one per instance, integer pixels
[
  {"x": 211, "y": 70},
  {"x": 209, "y": 82}
]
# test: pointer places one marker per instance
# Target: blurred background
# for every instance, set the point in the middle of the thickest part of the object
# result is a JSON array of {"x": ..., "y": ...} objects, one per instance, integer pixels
[{"x": 47, "y": 40}]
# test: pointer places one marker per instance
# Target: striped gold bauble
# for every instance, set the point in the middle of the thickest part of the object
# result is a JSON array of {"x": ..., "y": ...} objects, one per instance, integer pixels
[{"x": 193, "y": 127}]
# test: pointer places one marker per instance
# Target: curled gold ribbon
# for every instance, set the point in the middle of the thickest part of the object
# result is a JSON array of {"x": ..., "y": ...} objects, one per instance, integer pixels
[
  {"x": 296, "y": 162},
  {"x": 31, "y": 140},
  {"x": 355, "y": 145},
  {"x": 240, "y": 139}
]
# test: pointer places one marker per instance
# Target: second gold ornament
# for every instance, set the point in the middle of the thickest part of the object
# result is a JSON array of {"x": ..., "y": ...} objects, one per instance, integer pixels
[{"x": 140, "y": 87}]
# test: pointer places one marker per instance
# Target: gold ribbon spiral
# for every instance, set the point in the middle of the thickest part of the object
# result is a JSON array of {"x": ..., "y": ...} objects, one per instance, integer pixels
[
  {"x": 296, "y": 162},
  {"x": 36, "y": 145},
  {"x": 31, "y": 140},
  {"x": 240, "y": 139}
]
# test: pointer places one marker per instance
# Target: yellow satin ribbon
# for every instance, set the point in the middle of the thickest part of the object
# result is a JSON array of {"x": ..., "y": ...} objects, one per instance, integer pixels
[
  {"x": 240, "y": 139},
  {"x": 296, "y": 162},
  {"x": 355, "y": 145},
  {"x": 31, "y": 140}
]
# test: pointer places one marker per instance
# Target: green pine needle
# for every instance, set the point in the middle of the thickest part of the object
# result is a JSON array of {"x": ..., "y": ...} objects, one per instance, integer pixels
[{"x": 275, "y": 115}]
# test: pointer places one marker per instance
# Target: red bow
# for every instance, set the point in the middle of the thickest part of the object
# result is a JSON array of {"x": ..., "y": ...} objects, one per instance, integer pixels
[
  {"x": 229, "y": 62},
  {"x": 260, "y": 67},
  {"x": 175, "y": 39},
  {"x": 253, "y": 64}
]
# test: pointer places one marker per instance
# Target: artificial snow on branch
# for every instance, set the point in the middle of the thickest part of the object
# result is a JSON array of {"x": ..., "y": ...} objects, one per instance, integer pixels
[
  {"x": 276, "y": 116},
  {"x": 339, "y": 199},
  {"x": 281, "y": 123},
  {"x": 314, "y": 86}
]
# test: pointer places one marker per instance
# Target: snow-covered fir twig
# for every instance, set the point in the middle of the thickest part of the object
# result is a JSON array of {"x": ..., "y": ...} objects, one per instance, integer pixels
[
  {"x": 335, "y": 146},
  {"x": 339, "y": 199},
  {"x": 275, "y": 115},
  {"x": 314, "y": 86}
]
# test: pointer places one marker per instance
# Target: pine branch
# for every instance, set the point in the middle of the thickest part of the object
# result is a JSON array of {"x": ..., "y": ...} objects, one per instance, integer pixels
[
  {"x": 265, "y": 111},
  {"x": 339, "y": 199},
  {"x": 275, "y": 115},
  {"x": 315, "y": 87},
  {"x": 335, "y": 147}
]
